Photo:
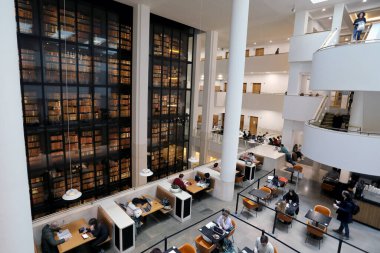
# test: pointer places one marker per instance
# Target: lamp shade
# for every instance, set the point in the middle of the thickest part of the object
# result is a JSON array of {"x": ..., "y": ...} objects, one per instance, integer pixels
[
  {"x": 146, "y": 173},
  {"x": 72, "y": 194},
  {"x": 193, "y": 159}
]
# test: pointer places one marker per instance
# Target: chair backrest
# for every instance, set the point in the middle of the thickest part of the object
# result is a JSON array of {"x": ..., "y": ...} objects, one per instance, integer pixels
[
  {"x": 298, "y": 168},
  {"x": 318, "y": 232},
  {"x": 275, "y": 249},
  {"x": 323, "y": 210},
  {"x": 249, "y": 203},
  {"x": 239, "y": 179},
  {"x": 266, "y": 189},
  {"x": 203, "y": 246},
  {"x": 283, "y": 217},
  {"x": 162, "y": 193},
  {"x": 233, "y": 230},
  {"x": 187, "y": 248}
]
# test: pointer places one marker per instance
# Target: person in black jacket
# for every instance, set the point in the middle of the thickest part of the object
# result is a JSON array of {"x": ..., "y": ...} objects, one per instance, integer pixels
[
  {"x": 358, "y": 26},
  {"x": 100, "y": 232},
  {"x": 48, "y": 243},
  {"x": 292, "y": 198},
  {"x": 344, "y": 210}
]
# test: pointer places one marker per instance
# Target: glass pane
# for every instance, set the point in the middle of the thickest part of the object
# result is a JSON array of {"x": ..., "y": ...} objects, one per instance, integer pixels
[
  {"x": 113, "y": 103},
  {"x": 114, "y": 170},
  {"x": 36, "y": 150},
  {"x": 55, "y": 145},
  {"x": 157, "y": 40},
  {"x": 172, "y": 155},
  {"x": 125, "y": 137},
  {"x": 71, "y": 145},
  {"x": 190, "y": 50},
  {"x": 100, "y": 104},
  {"x": 113, "y": 138},
  {"x": 38, "y": 185},
  {"x": 156, "y": 101},
  {"x": 167, "y": 43},
  {"x": 53, "y": 104},
  {"x": 165, "y": 74},
  {"x": 174, "y": 74},
  {"x": 33, "y": 105},
  {"x": 113, "y": 30},
  {"x": 175, "y": 44},
  {"x": 30, "y": 60},
  {"x": 100, "y": 66},
  {"x": 70, "y": 104},
  {"x": 99, "y": 27},
  {"x": 113, "y": 67},
  {"x": 183, "y": 76},
  {"x": 69, "y": 63},
  {"x": 189, "y": 78},
  {"x": 125, "y": 105},
  {"x": 84, "y": 23},
  {"x": 85, "y": 104},
  {"x": 88, "y": 178},
  {"x": 173, "y": 104},
  {"x": 125, "y": 72},
  {"x": 27, "y": 16},
  {"x": 51, "y": 62},
  {"x": 165, "y": 102},
  {"x": 99, "y": 167},
  {"x": 181, "y": 103},
  {"x": 50, "y": 19},
  {"x": 172, "y": 132},
  {"x": 155, "y": 134},
  {"x": 184, "y": 43},
  {"x": 87, "y": 143},
  {"x": 84, "y": 65},
  {"x": 125, "y": 168},
  {"x": 67, "y": 20},
  {"x": 164, "y": 133},
  {"x": 164, "y": 158},
  {"x": 188, "y": 103}
]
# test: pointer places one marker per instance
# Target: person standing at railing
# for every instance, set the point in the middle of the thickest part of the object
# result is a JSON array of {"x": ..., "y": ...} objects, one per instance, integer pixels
[{"x": 359, "y": 26}]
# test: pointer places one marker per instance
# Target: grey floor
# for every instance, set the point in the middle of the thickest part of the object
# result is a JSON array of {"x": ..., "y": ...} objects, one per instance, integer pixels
[{"x": 159, "y": 226}]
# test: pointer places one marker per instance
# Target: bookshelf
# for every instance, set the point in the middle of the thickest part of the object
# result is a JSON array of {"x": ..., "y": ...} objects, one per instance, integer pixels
[
  {"x": 89, "y": 45},
  {"x": 169, "y": 87}
]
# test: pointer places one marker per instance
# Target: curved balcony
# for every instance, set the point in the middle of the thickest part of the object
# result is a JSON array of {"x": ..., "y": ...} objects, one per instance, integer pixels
[
  {"x": 348, "y": 66},
  {"x": 353, "y": 151}
]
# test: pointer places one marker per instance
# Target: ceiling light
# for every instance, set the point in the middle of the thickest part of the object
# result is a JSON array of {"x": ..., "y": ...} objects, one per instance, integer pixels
[
  {"x": 270, "y": 41},
  {"x": 288, "y": 38},
  {"x": 193, "y": 159},
  {"x": 254, "y": 43},
  {"x": 364, "y": 1},
  {"x": 251, "y": 72},
  {"x": 324, "y": 9},
  {"x": 330, "y": 18},
  {"x": 346, "y": 39},
  {"x": 267, "y": 72}
]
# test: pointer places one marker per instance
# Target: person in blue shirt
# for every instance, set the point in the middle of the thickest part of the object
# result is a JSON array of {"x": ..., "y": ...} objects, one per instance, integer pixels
[{"x": 288, "y": 156}]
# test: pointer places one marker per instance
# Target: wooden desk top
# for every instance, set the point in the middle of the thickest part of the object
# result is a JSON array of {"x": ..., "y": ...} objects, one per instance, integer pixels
[
  {"x": 76, "y": 240},
  {"x": 156, "y": 206},
  {"x": 193, "y": 188}
]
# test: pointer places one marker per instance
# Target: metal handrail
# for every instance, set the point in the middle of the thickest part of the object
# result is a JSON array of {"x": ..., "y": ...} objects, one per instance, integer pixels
[
  {"x": 349, "y": 43},
  {"x": 359, "y": 131}
]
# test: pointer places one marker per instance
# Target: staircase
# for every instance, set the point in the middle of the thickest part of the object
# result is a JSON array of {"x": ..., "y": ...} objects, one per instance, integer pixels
[{"x": 327, "y": 121}]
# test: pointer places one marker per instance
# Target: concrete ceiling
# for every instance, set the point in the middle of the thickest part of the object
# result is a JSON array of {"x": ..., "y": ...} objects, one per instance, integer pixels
[{"x": 268, "y": 19}]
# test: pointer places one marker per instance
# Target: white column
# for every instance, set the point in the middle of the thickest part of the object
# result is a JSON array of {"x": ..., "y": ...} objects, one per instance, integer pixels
[
  {"x": 357, "y": 111},
  {"x": 208, "y": 92},
  {"x": 196, "y": 77},
  {"x": 238, "y": 40},
  {"x": 140, "y": 74},
  {"x": 337, "y": 19},
  {"x": 16, "y": 234},
  {"x": 301, "y": 21}
]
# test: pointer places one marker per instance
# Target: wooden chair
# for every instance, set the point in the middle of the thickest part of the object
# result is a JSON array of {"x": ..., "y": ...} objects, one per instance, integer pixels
[
  {"x": 249, "y": 205},
  {"x": 285, "y": 219},
  {"x": 239, "y": 180},
  {"x": 231, "y": 234},
  {"x": 267, "y": 190},
  {"x": 203, "y": 246},
  {"x": 316, "y": 233},
  {"x": 187, "y": 248}
]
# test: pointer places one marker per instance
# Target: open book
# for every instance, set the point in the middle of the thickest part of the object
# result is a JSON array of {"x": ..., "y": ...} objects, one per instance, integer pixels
[{"x": 65, "y": 234}]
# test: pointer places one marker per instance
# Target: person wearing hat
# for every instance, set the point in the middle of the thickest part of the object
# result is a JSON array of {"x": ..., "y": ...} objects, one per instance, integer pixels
[{"x": 359, "y": 26}]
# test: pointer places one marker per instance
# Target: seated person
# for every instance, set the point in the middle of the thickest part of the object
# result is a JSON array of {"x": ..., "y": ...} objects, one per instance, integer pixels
[
  {"x": 224, "y": 221},
  {"x": 288, "y": 156},
  {"x": 48, "y": 243},
  {"x": 244, "y": 134},
  {"x": 251, "y": 158},
  {"x": 207, "y": 180},
  {"x": 249, "y": 135},
  {"x": 291, "y": 197},
  {"x": 134, "y": 211},
  {"x": 275, "y": 142},
  {"x": 271, "y": 141},
  {"x": 179, "y": 181},
  {"x": 216, "y": 167},
  {"x": 262, "y": 245},
  {"x": 297, "y": 150},
  {"x": 274, "y": 183},
  {"x": 100, "y": 232},
  {"x": 281, "y": 206}
]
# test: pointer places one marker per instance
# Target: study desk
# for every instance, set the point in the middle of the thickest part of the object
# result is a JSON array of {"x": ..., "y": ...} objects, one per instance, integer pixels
[
  {"x": 76, "y": 240},
  {"x": 193, "y": 188},
  {"x": 214, "y": 237},
  {"x": 155, "y": 205},
  {"x": 318, "y": 217}
]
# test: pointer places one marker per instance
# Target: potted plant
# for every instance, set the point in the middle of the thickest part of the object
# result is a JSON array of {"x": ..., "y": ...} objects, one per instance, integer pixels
[{"x": 175, "y": 188}]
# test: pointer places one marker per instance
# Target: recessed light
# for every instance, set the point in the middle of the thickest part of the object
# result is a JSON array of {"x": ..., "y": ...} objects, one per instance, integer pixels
[
  {"x": 270, "y": 41},
  {"x": 288, "y": 38},
  {"x": 317, "y": 1},
  {"x": 364, "y": 1},
  {"x": 330, "y": 18},
  {"x": 324, "y": 9},
  {"x": 251, "y": 72},
  {"x": 346, "y": 39},
  {"x": 267, "y": 72},
  {"x": 254, "y": 43}
]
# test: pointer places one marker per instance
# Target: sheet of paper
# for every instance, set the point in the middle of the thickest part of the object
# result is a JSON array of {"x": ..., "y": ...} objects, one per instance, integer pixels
[
  {"x": 210, "y": 225},
  {"x": 172, "y": 251},
  {"x": 65, "y": 234}
]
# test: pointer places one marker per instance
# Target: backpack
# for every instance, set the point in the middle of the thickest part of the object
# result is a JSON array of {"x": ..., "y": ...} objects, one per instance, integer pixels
[{"x": 355, "y": 208}]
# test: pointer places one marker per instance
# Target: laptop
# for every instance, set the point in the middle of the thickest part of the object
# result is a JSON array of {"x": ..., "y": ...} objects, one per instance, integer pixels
[{"x": 218, "y": 230}]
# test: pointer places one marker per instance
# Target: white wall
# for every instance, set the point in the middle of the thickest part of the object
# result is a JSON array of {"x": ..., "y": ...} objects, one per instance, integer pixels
[
  {"x": 301, "y": 108},
  {"x": 371, "y": 115},
  {"x": 302, "y": 47},
  {"x": 270, "y": 83},
  {"x": 348, "y": 151},
  {"x": 348, "y": 67}
]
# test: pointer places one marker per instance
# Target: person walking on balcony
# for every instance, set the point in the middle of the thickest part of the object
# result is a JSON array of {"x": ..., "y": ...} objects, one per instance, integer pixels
[{"x": 359, "y": 26}]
